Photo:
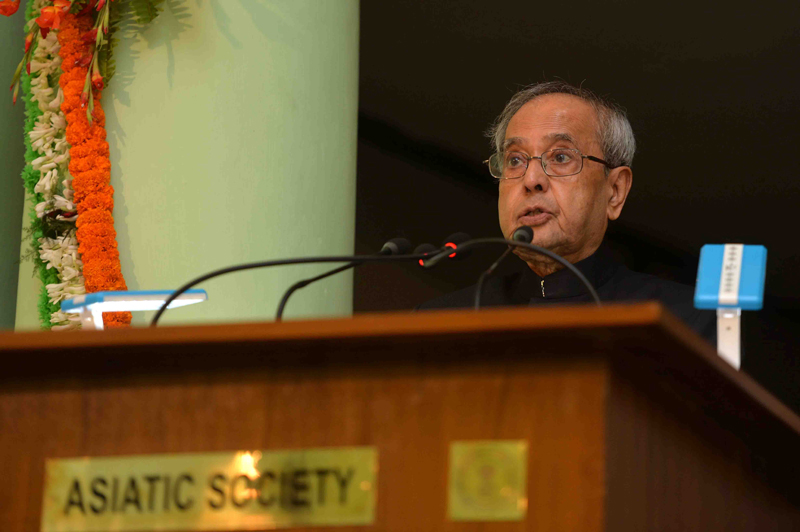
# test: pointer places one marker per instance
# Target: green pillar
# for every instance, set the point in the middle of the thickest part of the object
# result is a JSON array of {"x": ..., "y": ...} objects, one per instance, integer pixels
[
  {"x": 232, "y": 127},
  {"x": 12, "y": 42}
]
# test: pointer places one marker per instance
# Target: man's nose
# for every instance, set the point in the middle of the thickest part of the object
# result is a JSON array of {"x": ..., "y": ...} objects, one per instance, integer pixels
[{"x": 535, "y": 179}]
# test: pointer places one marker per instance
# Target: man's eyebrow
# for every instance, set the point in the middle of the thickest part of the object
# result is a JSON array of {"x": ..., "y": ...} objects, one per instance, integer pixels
[
  {"x": 551, "y": 137},
  {"x": 511, "y": 141}
]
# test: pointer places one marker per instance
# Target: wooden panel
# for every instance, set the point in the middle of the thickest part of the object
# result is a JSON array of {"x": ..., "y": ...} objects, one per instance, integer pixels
[
  {"x": 409, "y": 411},
  {"x": 670, "y": 467},
  {"x": 427, "y": 324},
  {"x": 681, "y": 419}
]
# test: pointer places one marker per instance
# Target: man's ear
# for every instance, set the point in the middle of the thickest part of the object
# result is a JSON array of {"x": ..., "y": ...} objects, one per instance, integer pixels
[{"x": 619, "y": 183}]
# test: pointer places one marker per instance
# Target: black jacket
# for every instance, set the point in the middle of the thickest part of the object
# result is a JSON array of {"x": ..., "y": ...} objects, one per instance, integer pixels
[{"x": 612, "y": 280}]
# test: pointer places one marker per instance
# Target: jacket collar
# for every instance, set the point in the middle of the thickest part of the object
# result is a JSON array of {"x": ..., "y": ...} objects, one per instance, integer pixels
[{"x": 598, "y": 269}]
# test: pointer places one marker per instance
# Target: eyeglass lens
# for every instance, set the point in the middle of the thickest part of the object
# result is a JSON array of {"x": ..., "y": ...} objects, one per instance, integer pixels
[{"x": 557, "y": 162}]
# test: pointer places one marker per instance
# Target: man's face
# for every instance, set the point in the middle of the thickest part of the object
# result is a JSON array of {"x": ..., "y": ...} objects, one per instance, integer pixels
[{"x": 568, "y": 215}]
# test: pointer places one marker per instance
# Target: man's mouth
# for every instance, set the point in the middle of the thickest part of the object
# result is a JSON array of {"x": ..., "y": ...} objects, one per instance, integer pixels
[{"x": 535, "y": 216}]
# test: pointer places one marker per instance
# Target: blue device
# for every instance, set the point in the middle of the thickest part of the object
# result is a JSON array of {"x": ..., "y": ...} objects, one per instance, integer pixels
[
  {"x": 731, "y": 276},
  {"x": 92, "y": 306},
  {"x": 119, "y": 301}
]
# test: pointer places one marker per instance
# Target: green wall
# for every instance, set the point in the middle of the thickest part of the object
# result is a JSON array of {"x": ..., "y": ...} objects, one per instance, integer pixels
[
  {"x": 232, "y": 126},
  {"x": 11, "y": 162},
  {"x": 29, "y": 285}
]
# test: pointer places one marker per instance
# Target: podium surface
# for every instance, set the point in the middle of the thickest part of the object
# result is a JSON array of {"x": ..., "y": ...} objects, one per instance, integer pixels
[{"x": 632, "y": 421}]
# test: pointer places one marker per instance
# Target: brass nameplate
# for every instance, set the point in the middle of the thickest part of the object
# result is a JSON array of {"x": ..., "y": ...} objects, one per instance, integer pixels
[
  {"x": 243, "y": 490},
  {"x": 488, "y": 480}
]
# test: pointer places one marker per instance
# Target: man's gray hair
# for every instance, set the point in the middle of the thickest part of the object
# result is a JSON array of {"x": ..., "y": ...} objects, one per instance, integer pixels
[{"x": 615, "y": 132}]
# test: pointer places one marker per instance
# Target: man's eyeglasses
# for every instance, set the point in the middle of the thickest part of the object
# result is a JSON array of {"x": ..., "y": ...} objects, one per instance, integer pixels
[{"x": 560, "y": 162}]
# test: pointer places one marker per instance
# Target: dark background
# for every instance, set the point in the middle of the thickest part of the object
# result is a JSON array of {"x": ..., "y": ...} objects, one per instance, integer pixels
[{"x": 712, "y": 93}]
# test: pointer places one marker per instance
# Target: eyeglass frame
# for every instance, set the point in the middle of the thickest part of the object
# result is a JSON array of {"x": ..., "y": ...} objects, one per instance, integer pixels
[{"x": 529, "y": 158}]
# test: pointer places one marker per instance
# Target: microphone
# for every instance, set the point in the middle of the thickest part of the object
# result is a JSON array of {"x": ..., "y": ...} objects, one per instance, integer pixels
[
  {"x": 455, "y": 240},
  {"x": 424, "y": 249},
  {"x": 525, "y": 235},
  {"x": 395, "y": 246},
  {"x": 452, "y": 242}
]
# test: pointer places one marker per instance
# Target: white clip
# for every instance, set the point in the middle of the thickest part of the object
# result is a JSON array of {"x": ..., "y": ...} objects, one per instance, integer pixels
[
  {"x": 729, "y": 336},
  {"x": 91, "y": 319}
]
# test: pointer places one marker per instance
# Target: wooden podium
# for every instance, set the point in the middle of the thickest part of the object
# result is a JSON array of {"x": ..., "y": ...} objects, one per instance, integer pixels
[{"x": 632, "y": 421}]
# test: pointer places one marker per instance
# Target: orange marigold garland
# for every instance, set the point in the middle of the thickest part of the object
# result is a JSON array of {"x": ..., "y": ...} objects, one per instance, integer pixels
[{"x": 90, "y": 166}]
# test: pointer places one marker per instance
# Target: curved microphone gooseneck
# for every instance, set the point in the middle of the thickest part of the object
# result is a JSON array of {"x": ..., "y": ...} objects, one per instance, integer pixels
[
  {"x": 280, "y": 262},
  {"x": 395, "y": 246},
  {"x": 432, "y": 261},
  {"x": 525, "y": 235},
  {"x": 305, "y": 282}
]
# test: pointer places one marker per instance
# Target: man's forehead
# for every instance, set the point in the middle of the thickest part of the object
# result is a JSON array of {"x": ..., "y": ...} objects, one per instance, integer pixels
[{"x": 553, "y": 117}]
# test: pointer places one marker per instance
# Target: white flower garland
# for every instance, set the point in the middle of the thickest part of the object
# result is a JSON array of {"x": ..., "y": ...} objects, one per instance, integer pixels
[{"x": 48, "y": 140}]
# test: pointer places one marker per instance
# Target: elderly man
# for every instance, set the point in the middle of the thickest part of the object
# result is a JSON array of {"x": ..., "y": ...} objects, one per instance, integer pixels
[{"x": 563, "y": 165}]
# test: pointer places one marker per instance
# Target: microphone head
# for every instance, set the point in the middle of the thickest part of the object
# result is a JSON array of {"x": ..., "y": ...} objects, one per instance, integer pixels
[
  {"x": 424, "y": 249},
  {"x": 455, "y": 240},
  {"x": 523, "y": 234},
  {"x": 396, "y": 246}
]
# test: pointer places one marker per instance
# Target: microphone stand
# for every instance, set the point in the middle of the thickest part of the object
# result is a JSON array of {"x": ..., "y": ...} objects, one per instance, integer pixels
[
  {"x": 489, "y": 271},
  {"x": 281, "y": 262},
  {"x": 523, "y": 234},
  {"x": 395, "y": 246},
  {"x": 305, "y": 282}
]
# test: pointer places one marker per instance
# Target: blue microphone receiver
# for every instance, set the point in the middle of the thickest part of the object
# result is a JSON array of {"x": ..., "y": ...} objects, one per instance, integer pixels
[{"x": 730, "y": 278}]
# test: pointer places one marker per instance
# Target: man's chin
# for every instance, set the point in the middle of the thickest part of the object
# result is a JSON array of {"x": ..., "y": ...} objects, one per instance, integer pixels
[
  {"x": 542, "y": 242},
  {"x": 531, "y": 256}
]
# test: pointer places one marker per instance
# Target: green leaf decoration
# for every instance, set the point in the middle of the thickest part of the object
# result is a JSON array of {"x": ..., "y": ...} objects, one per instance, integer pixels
[
  {"x": 105, "y": 55},
  {"x": 146, "y": 11},
  {"x": 54, "y": 228},
  {"x": 78, "y": 5}
]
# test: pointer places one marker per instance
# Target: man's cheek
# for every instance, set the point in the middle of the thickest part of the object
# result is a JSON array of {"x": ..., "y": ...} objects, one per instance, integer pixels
[{"x": 505, "y": 212}]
